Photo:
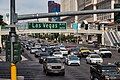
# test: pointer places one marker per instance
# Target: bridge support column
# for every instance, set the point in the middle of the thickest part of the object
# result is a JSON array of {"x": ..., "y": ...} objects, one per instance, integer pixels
[{"x": 0, "y": 38}]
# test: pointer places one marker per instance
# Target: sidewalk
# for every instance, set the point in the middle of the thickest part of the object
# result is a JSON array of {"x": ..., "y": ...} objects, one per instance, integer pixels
[{"x": 3, "y": 56}]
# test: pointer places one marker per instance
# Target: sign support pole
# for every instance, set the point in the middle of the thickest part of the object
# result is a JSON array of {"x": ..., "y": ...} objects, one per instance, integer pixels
[{"x": 12, "y": 36}]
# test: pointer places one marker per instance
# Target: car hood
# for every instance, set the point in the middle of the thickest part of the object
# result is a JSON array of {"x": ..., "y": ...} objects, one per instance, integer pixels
[
  {"x": 85, "y": 50},
  {"x": 95, "y": 58},
  {"x": 105, "y": 52},
  {"x": 55, "y": 64},
  {"x": 113, "y": 75}
]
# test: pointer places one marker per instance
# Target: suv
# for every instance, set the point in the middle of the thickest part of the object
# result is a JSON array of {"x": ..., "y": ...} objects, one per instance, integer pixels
[
  {"x": 104, "y": 72},
  {"x": 53, "y": 64}
]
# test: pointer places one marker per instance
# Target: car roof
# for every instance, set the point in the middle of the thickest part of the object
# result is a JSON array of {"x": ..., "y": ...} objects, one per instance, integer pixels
[
  {"x": 93, "y": 54},
  {"x": 52, "y": 57}
]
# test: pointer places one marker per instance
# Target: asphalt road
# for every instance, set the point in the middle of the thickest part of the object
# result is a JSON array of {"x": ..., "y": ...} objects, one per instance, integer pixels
[{"x": 32, "y": 70}]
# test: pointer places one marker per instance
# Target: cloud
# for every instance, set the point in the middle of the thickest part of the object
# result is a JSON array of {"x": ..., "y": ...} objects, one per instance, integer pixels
[{"x": 25, "y": 6}]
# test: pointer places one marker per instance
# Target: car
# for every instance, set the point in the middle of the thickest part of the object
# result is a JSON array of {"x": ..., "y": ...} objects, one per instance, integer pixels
[
  {"x": 53, "y": 64},
  {"x": 74, "y": 51},
  {"x": 72, "y": 60},
  {"x": 104, "y": 52},
  {"x": 42, "y": 57},
  {"x": 49, "y": 50},
  {"x": 90, "y": 42},
  {"x": 64, "y": 52},
  {"x": 58, "y": 54},
  {"x": 93, "y": 59},
  {"x": 33, "y": 50},
  {"x": 117, "y": 63},
  {"x": 62, "y": 47},
  {"x": 104, "y": 72},
  {"x": 84, "y": 51}
]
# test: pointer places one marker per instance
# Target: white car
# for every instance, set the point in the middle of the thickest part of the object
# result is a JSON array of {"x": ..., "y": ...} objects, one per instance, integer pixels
[
  {"x": 93, "y": 58},
  {"x": 58, "y": 54},
  {"x": 72, "y": 60},
  {"x": 104, "y": 52},
  {"x": 64, "y": 52},
  {"x": 62, "y": 47}
]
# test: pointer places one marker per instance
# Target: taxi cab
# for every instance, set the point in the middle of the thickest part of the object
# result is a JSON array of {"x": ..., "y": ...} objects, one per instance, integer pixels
[{"x": 84, "y": 51}]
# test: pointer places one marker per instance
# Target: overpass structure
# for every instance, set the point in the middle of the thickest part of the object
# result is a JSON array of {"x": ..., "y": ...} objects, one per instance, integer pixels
[{"x": 25, "y": 31}]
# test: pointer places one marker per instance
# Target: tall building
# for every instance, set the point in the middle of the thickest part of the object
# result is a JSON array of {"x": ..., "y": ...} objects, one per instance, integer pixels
[
  {"x": 68, "y": 5},
  {"x": 91, "y": 5},
  {"x": 53, "y": 7}
]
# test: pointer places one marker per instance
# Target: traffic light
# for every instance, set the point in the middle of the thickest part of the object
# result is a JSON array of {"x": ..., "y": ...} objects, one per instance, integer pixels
[
  {"x": 118, "y": 28},
  {"x": 1, "y": 18},
  {"x": 117, "y": 14},
  {"x": 16, "y": 52},
  {"x": 8, "y": 51}
]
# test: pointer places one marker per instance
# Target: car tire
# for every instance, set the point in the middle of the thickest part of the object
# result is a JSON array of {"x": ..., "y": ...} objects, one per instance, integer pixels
[
  {"x": 91, "y": 77},
  {"x": 43, "y": 69},
  {"x": 46, "y": 72},
  {"x": 63, "y": 73}
]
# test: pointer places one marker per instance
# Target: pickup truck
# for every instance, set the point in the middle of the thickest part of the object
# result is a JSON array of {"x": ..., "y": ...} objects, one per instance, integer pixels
[
  {"x": 104, "y": 72},
  {"x": 103, "y": 52},
  {"x": 53, "y": 64}
]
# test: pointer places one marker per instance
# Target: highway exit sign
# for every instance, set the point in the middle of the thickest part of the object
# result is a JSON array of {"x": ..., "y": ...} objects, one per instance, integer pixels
[{"x": 46, "y": 25}]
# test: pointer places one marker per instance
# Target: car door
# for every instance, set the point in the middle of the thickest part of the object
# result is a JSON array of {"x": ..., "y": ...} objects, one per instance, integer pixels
[{"x": 88, "y": 58}]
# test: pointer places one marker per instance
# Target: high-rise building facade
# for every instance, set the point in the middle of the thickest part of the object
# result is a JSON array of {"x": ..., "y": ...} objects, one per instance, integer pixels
[
  {"x": 53, "y": 7},
  {"x": 92, "y": 5}
]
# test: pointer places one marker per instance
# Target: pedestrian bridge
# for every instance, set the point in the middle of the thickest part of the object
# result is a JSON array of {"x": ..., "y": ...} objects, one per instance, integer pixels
[{"x": 25, "y": 31}]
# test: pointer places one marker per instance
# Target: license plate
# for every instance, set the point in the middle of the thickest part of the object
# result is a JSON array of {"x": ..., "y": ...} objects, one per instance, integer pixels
[{"x": 55, "y": 71}]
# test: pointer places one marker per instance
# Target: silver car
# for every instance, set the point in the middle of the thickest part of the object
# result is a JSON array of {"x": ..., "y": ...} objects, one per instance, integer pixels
[{"x": 53, "y": 64}]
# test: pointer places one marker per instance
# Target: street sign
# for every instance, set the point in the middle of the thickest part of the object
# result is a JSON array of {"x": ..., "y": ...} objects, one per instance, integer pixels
[{"x": 46, "y": 25}]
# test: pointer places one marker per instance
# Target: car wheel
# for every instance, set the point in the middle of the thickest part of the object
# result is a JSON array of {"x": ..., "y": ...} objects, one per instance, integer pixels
[
  {"x": 86, "y": 61},
  {"x": 95, "y": 79},
  {"x": 63, "y": 73},
  {"x": 46, "y": 72},
  {"x": 35, "y": 55},
  {"x": 91, "y": 77},
  {"x": 43, "y": 69}
]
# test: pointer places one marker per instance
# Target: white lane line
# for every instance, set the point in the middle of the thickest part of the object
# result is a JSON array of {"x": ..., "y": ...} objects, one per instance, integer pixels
[{"x": 3, "y": 58}]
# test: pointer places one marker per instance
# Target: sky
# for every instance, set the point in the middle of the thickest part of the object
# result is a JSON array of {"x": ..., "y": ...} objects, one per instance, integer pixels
[{"x": 26, "y": 6}]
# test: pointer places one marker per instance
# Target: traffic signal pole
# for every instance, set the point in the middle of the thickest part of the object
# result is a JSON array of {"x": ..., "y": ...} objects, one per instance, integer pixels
[{"x": 12, "y": 36}]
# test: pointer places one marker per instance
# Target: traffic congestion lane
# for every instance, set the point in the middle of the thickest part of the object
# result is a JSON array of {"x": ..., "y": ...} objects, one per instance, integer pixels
[{"x": 72, "y": 72}]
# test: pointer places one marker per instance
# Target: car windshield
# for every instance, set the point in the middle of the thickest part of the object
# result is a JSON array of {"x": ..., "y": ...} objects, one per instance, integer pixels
[
  {"x": 63, "y": 50},
  {"x": 95, "y": 56},
  {"x": 57, "y": 53},
  {"x": 62, "y": 46},
  {"x": 75, "y": 50},
  {"x": 108, "y": 69},
  {"x": 73, "y": 58},
  {"x": 54, "y": 60},
  {"x": 104, "y": 50},
  {"x": 84, "y": 49},
  {"x": 44, "y": 54},
  {"x": 34, "y": 49}
]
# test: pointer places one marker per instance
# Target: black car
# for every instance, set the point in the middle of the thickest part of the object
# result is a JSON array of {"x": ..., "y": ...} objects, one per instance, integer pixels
[
  {"x": 42, "y": 57},
  {"x": 49, "y": 50},
  {"x": 74, "y": 51},
  {"x": 104, "y": 72}
]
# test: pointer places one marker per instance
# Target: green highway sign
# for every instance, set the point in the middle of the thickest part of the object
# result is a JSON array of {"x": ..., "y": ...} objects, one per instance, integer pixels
[{"x": 46, "y": 25}]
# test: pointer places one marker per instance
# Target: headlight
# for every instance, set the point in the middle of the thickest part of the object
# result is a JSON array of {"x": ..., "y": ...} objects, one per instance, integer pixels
[
  {"x": 62, "y": 66},
  {"x": 49, "y": 67},
  {"x": 112, "y": 77},
  {"x": 107, "y": 77}
]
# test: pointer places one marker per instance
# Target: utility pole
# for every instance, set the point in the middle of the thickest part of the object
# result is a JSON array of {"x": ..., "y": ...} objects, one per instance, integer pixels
[{"x": 12, "y": 36}]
